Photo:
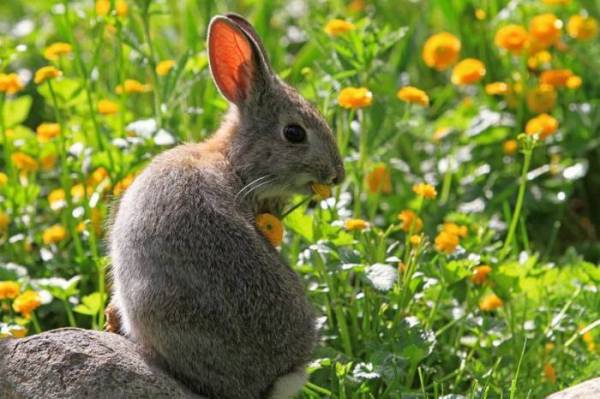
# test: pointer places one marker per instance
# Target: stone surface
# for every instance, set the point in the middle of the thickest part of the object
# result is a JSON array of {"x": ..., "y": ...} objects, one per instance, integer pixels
[
  {"x": 586, "y": 390},
  {"x": 76, "y": 363}
]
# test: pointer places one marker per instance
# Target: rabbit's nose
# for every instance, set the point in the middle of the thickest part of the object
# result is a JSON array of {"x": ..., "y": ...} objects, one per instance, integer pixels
[{"x": 339, "y": 175}]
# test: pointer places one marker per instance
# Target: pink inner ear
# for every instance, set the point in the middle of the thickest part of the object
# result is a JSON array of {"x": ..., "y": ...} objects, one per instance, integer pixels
[{"x": 230, "y": 55}]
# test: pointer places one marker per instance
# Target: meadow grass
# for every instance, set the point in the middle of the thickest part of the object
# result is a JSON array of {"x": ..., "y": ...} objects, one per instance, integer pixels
[{"x": 460, "y": 255}]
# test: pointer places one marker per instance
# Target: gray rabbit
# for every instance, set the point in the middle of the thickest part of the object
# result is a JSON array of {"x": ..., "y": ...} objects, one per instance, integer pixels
[{"x": 195, "y": 283}]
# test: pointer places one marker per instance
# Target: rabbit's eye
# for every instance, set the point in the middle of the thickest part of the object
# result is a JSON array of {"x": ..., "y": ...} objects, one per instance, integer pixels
[{"x": 294, "y": 134}]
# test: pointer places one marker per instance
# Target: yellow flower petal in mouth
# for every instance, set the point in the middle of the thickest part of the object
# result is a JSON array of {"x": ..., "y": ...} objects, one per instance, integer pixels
[{"x": 323, "y": 191}]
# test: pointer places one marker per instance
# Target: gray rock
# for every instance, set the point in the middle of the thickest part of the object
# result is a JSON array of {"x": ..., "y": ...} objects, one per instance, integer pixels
[
  {"x": 586, "y": 390},
  {"x": 76, "y": 363}
]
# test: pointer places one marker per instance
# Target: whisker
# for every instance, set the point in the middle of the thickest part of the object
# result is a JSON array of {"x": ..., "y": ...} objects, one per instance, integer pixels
[
  {"x": 257, "y": 186},
  {"x": 249, "y": 185}
]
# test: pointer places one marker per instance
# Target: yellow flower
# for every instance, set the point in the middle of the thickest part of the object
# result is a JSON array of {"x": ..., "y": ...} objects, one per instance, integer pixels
[
  {"x": 510, "y": 146},
  {"x": 468, "y": 71},
  {"x": 98, "y": 176},
  {"x": 56, "y": 198},
  {"x": 411, "y": 94},
  {"x": 54, "y": 234},
  {"x": 337, "y": 27},
  {"x": 323, "y": 191},
  {"x": 355, "y": 97},
  {"x": 3, "y": 179},
  {"x": 24, "y": 162},
  {"x": 56, "y": 50},
  {"x": 164, "y": 67},
  {"x": 541, "y": 99},
  {"x": 122, "y": 185},
  {"x": 539, "y": 58},
  {"x": 107, "y": 107},
  {"x": 556, "y": 77},
  {"x": 121, "y": 8},
  {"x": 355, "y": 224},
  {"x": 4, "y": 221},
  {"x": 270, "y": 227},
  {"x": 557, "y": 2},
  {"x": 544, "y": 30},
  {"x": 133, "y": 86},
  {"x": 480, "y": 14},
  {"x": 46, "y": 73},
  {"x": 425, "y": 190},
  {"x": 441, "y": 51},
  {"x": 574, "y": 82},
  {"x": 27, "y": 302},
  {"x": 356, "y": 5},
  {"x": 453, "y": 228},
  {"x": 10, "y": 83},
  {"x": 8, "y": 290},
  {"x": 446, "y": 242},
  {"x": 379, "y": 180},
  {"x": 497, "y": 89},
  {"x": 17, "y": 331},
  {"x": 48, "y": 162},
  {"x": 480, "y": 274},
  {"x": 513, "y": 38},
  {"x": 47, "y": 131},
  {"x": 78, "y": 191},
  {"x": 410, "y": 220},
  {"x": 102, "y": 7},
  {"x": 490, "y": 303},
  {"x": 543, "y": 125},
  {"x": 550, "y": 372},
  {"x": 582, "y": 28},
  {"x": 415, "y": 240}
]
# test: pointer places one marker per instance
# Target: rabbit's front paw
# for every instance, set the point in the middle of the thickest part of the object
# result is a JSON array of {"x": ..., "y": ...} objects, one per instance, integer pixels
[{"x": 287, "y": 385}]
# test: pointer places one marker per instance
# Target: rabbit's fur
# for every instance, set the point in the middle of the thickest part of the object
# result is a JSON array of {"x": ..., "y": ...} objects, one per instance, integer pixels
[{"x": 195, "y": 282}]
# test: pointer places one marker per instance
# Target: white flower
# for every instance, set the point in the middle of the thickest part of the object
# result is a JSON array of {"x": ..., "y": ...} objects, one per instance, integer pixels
[
  {"x": 143, "y": 127},
  {"x": 382, "y": 276}
]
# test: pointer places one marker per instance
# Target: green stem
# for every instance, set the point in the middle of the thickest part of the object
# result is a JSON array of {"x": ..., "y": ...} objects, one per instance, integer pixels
[
  {"x": 520, "y": 197},
  {"x": 70, "y": 316},
  {"x": 36, "y": 323}
]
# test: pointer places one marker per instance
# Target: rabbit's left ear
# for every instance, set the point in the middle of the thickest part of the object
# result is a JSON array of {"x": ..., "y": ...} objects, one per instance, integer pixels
[{"x": 237, "y": 61}]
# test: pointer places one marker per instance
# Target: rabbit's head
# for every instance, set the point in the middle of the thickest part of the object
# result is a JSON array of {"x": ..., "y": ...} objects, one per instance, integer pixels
[{"x": 278, "y": 142}]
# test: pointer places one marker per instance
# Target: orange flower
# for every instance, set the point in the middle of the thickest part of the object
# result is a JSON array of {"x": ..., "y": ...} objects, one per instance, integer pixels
[
  {"x": 17, "y": 331},
  {"x": 543, "y": 125},
  {"x": 133, "y": 86},
  {"x": 541, "y": 99},
  {"x": 323, "y": 191},
  {"x": 379, "y": 180},
  {"x": 425, "y": 190},
  {"x": 79, "y": 191},
  {"x": 468, "y": 71},
  {"x": 121, "y": 8},
  {"x": 10, "y": 83},
  {"x": 545, "y": 30},
  {"x": 47, "y": 131},
  {"x": 164, "y": 67},
  {"x": 48, "y": 162},
  {"x": 411, "y": 94},
  {"x": 513, "y": 38},
  {"x": 490, "y": 303},
  {"x": 54, "y": 234},
  {"x": 497, "y": 89},
  {"x": 574, "y": 82},
  {"x": 24, "y": 162},
  {"x": 355, "y": 97},
  {"x": 557, "y": 2},
  {"x": 441, "y": 51},
  {"x": 446, "y": 242},
  {"x": 27, "y": 302},
  {"x": 270, "y": 227},
  {"x": 56, "y": 50},
  {"x": 453, "y": 228},
  {"x": 510, "y": 146},
  {"x": 337, "y": 27},
  {"x": 46, "y": 73},
  {"x": 122, "y": 185},
  {"x": 355, "y": 224},
  {"x": 480, "y": 274},
  {"x": 550, "y": 372},
  {"x": 107, "y": 107},
  {"x": 556, "y": 77},
  {"x": 9, "y": 290},
  {"x": 4, "y": 221},
  {"x": 98, "y": 176},
  {"x": 582, "y": 27},
  {"x": 539, "y": 58},
  {"x": 410, "y": 220},
  {"x": 102, "y": 7},
  {"x": 415, "y": 240}
]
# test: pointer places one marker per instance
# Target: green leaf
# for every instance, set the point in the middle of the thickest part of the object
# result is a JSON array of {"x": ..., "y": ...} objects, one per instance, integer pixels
[
  {"x": 16, "y": 110},
  {"x": 91, "y": 304}
]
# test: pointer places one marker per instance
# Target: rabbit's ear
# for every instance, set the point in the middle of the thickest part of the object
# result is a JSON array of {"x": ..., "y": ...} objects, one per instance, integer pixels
[{"x": 236, "y": 60}]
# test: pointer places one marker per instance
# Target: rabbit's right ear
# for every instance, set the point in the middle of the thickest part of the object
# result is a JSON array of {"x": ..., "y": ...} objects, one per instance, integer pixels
[{"x": 236, "y": 60}]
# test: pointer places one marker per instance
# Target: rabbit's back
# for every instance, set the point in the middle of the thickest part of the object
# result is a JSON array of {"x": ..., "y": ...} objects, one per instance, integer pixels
[{"x": 196, "y": 284}]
